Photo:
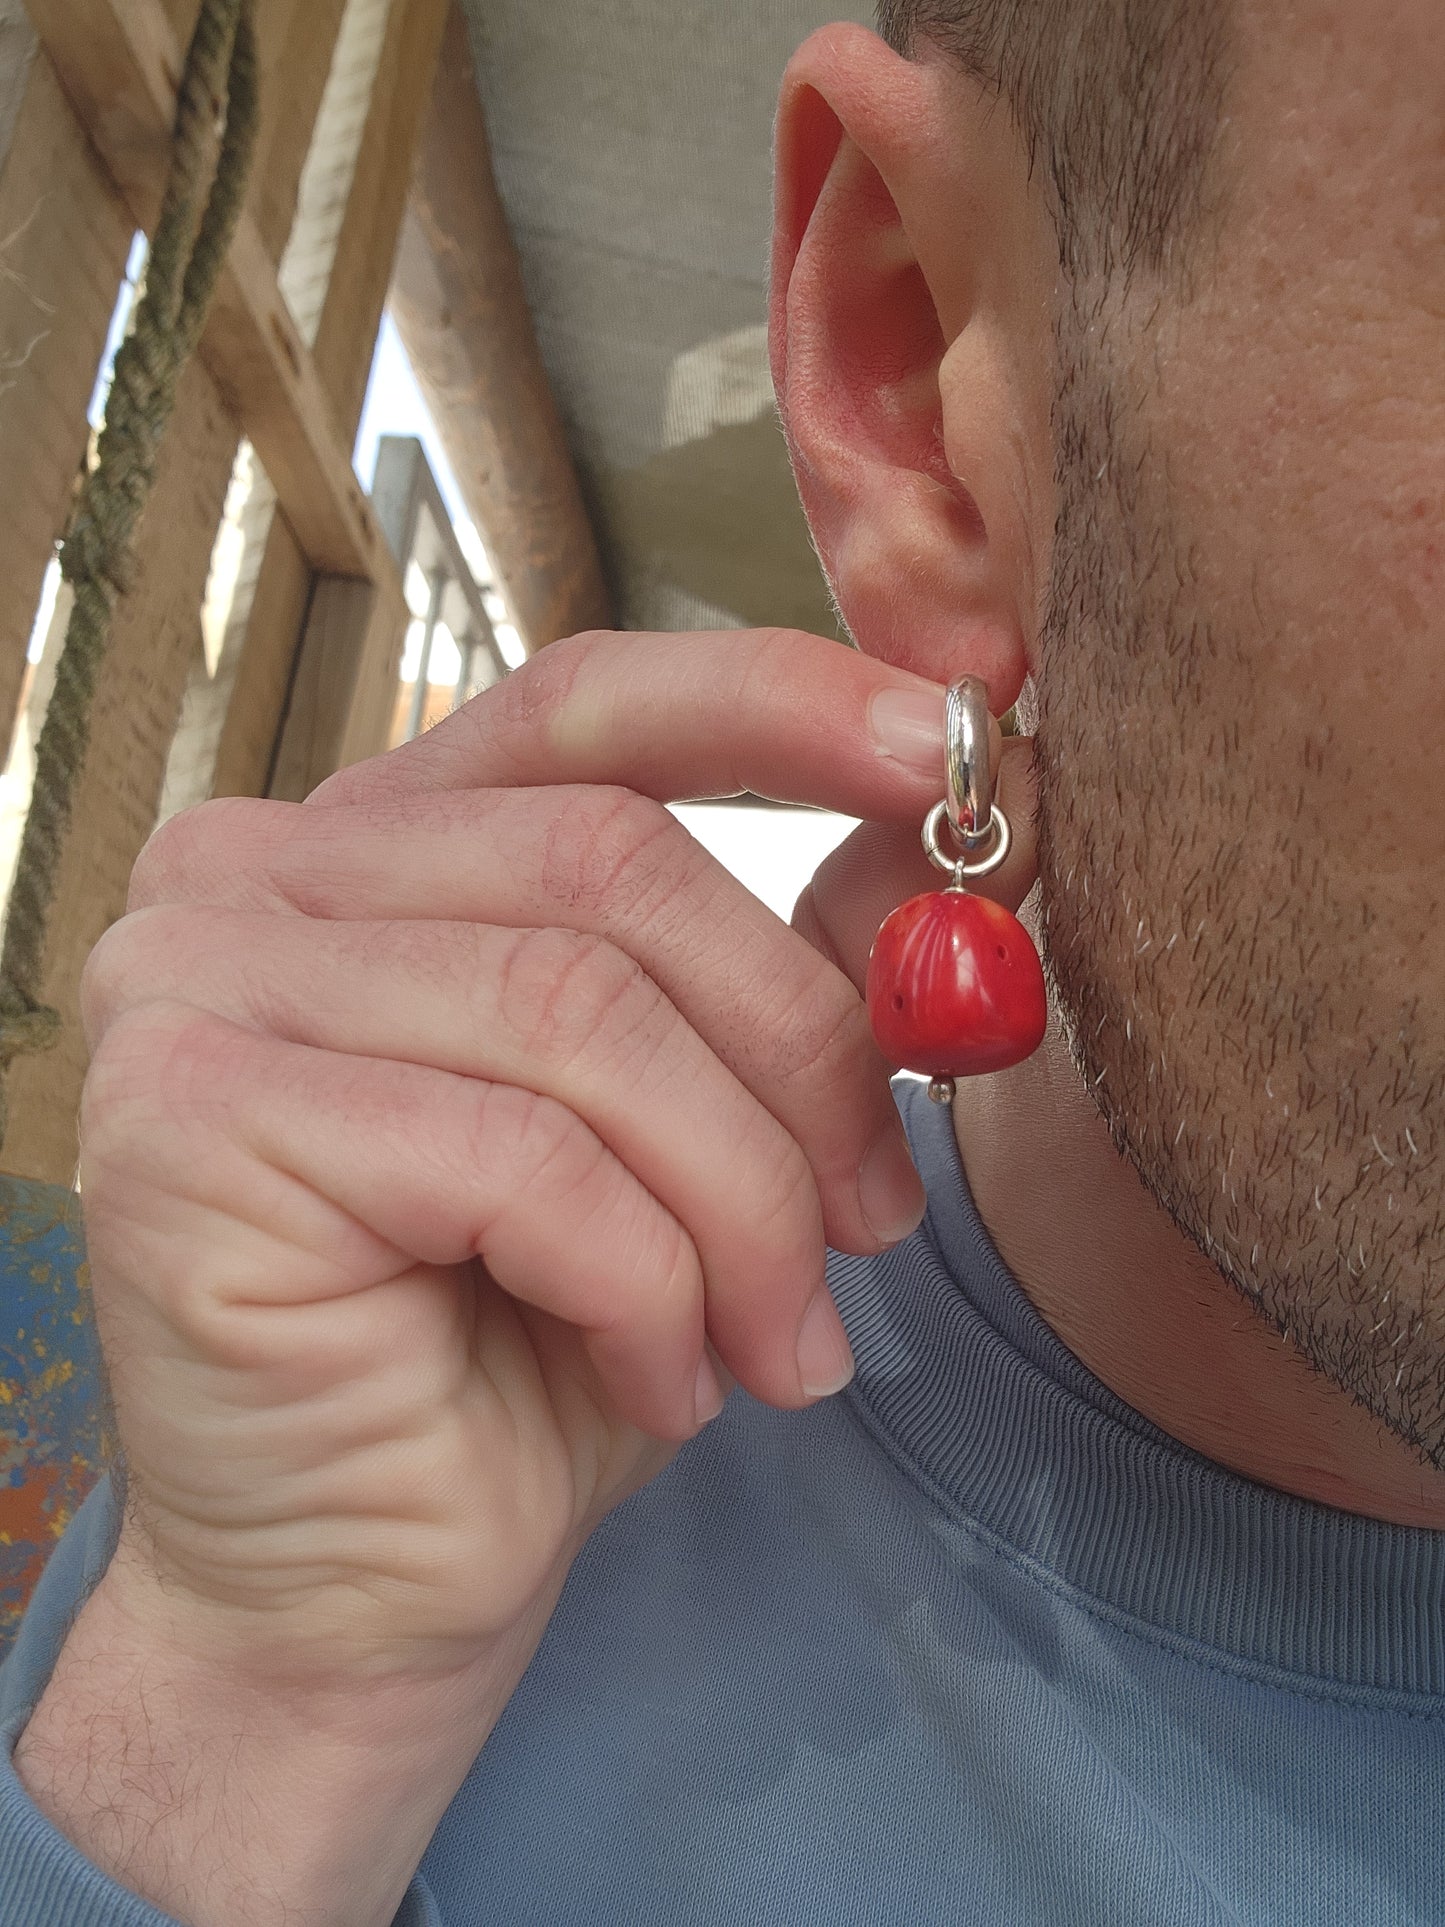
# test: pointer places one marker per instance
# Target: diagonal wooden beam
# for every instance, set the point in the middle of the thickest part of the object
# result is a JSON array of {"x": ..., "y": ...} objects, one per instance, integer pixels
[
  {"x": 354, "y": 263},
  {"x": 155, "y": 636},
  {"x": 119, "y": 61},
  {"x": 64, "y": 235},
  {"x": 461, "y": 307}
]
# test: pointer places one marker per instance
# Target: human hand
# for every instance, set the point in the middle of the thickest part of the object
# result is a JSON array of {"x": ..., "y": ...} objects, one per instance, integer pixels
[{"x": 436, "y": 1123}]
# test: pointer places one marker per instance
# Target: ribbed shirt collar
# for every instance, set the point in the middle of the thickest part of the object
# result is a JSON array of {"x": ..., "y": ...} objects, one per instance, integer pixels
[{"x": 1007, "y": 1428}]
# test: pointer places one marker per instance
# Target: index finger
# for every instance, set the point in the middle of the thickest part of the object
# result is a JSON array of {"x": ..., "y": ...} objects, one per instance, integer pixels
[{"x": 777, "y": 712}]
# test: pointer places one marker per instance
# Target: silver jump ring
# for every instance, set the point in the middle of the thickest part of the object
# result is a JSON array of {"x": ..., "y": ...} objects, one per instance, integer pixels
[
  {"x": 970, "y": 780},
  {"x": 960, "y": 865}
]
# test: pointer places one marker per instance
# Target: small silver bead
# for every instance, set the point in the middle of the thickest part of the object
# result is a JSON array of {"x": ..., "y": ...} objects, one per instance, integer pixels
[{"x": 941, "y": 1090}]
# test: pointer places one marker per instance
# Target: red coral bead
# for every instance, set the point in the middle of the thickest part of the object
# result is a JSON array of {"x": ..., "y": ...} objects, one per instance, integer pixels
[{"x": 955, "y": 986}]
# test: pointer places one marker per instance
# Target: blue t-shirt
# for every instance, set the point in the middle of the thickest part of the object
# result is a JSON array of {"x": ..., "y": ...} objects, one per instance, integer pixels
[{"x": 972, "y": 1643}]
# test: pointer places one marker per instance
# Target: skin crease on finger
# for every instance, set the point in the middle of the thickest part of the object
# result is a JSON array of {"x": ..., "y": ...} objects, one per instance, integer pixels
[{"x": 1203, "y": 541}]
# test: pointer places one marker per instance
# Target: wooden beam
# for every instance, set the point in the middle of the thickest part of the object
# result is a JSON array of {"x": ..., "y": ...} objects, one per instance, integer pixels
[
  {"x": 155, "y": 636},
  {"x": 361, "y": 273},
  {"x": 462, "y": 311},
  {"x": 120, "y": 61},
  {"x": 264, "y": 369},
  {"x": 64, "y": 236},
  {"x": 300, "y": 35},
  {"x": 267, "y": 600},
  {"x": 273, "y": 661},
  {"x": 344, "y": 693},
  {"x": 233, "y": 750}
]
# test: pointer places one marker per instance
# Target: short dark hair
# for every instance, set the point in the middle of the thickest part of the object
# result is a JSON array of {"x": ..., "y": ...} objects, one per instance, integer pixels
[{"x": 1119, "y": 100}]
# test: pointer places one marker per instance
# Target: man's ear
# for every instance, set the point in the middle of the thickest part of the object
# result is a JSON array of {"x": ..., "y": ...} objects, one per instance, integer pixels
[{"x": 910, "y": 331}]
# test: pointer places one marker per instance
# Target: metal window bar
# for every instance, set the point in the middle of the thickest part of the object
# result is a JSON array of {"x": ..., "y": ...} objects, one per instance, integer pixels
[{"x": 418, "y": 528}]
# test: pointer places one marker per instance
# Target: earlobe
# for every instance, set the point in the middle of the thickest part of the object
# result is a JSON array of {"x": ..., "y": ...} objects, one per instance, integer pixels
[{"x": 897, "y": 389}]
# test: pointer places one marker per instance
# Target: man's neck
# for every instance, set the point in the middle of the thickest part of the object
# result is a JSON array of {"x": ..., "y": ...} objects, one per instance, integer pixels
[{"x": 1140, "y": 1305}]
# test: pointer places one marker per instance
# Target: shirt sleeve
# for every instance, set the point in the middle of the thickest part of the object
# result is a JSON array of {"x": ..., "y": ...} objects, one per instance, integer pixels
[{"x": 44, "y": 1880}]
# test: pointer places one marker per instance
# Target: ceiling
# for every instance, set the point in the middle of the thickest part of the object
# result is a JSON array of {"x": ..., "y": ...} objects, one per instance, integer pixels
[{"x": 632, "y": 147}]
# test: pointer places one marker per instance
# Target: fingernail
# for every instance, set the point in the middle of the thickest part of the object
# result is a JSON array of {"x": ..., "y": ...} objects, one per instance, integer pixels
[
  {"x": 908, "y": 725},
  {"x": 708, "y": 1394},
  {"x": 825, "y": 1361},
  {"x": 890, "y": 1192}
]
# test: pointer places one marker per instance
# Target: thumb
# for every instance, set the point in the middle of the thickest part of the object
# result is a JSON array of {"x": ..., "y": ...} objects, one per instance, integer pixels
[{"x": 883, "y": 864}]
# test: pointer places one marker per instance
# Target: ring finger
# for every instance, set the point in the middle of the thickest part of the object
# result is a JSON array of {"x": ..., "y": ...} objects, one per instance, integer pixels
[{"x": 548, "y": 1011}]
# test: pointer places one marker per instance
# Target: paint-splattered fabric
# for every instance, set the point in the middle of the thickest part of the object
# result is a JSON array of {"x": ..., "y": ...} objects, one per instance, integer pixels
[{"x": 49, "y": 1384}]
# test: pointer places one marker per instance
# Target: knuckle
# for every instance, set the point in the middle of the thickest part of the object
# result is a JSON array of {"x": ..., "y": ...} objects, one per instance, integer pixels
[
  {"x": 102, "y": 978},
  {"x": 156, "y": 1107},
  {"x": 772, "y": 661},
  {"x": 118, "y": 1081},
  {"x": 530, "y": 697},
  {"x": 413, "y": 954},
  {"x": 447, "y": 961},
  {"x": 787, "y": 1201},
  {"x": 823, "y": 1035},
  {"x": 608, "y": 850},
  {"x": 531, "y": 1144},
  {"x": 160, "y": 1062},
  {"x": 653, "y": 1267},
  {"x": 186, "y": 853},
  {"x": 504, "y": 722},
  {"x": 540, "y": 1156},
  {"x": 416, "y": 954},
  {"x": 656, "y": 1278},
  {"x": 809, "y": 924},
  {"x": 565, "y": 993},
  {"x": 673, "y": 1263},
  {"x": 121, "y": 967}
]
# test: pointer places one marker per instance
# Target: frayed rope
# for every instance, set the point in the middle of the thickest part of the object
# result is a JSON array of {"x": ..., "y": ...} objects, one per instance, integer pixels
[{"x": 197, "y": 220}]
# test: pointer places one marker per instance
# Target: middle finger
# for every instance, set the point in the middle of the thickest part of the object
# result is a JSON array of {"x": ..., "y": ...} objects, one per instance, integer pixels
[
  {"x": 609, "y": 863},
  {"x": 568, "y": 1017}
]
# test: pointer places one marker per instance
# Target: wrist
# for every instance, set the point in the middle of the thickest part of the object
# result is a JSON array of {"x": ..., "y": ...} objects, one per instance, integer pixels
[{"x": 225, "y": 1793}]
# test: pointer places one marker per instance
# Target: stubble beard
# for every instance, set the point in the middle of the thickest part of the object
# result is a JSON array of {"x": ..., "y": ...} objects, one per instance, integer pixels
[{"x": 1211, "y": 940}]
